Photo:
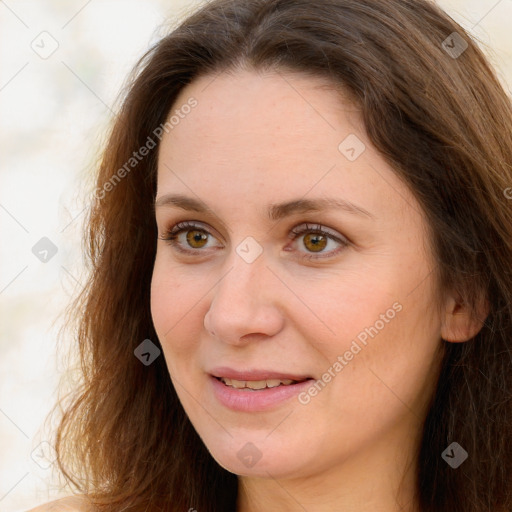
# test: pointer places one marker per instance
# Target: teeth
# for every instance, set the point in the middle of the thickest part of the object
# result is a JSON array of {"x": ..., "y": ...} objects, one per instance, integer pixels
[
  {"x": 273, "y": 383},
  {"x": 256, "y": 384},
  {"x": 239, "y": 384}
]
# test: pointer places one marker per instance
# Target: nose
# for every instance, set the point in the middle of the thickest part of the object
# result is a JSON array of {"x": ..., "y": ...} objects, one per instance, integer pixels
[{"x": 245, "y": 303}]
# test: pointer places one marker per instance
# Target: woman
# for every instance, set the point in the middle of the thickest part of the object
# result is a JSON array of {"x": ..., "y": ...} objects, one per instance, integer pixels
[{"x": 300, "y": 295}]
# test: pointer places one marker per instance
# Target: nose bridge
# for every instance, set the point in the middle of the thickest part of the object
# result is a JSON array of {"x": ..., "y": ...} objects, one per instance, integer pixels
[{"x": 241, "y": 303}]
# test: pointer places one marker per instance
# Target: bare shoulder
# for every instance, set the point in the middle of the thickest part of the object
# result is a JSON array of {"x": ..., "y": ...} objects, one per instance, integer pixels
[{"x": 68, "y": 504}]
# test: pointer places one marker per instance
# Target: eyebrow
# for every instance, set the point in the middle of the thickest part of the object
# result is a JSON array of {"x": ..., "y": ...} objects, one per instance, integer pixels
[{"x": 275, "y": 211}]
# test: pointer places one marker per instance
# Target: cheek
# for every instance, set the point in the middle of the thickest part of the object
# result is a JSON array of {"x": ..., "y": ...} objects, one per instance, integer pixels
[
  {"x": 163, "y": 291},
  {"x": 342, "y": 305},
  {"x": 175, "y": 303},
  {"x": 380, "y": 319},
  {"x": 388, "y": 344}
]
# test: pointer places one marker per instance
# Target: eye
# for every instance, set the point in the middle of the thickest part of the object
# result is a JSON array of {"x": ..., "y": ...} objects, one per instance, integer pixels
[
  {"x": 196, "y": 237},
  {"x": 316, "y": 239},
  {"x": 189, "y": 238}
]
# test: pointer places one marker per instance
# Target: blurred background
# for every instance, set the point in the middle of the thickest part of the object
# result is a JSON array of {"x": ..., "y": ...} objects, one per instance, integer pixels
[{"x": 62, "y": 65}]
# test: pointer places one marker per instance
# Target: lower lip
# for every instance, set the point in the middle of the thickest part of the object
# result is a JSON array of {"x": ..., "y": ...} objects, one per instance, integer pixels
[{"x": 244, "y": 400}]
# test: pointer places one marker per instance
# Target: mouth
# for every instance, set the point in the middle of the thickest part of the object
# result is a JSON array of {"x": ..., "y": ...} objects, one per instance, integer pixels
[
  {"x": 258, "y": 385},
  {"x": 255, "y": 390}
]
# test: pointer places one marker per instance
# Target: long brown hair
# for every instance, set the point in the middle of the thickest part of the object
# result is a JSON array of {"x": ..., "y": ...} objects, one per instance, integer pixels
[{"x": 436, "y": 112}]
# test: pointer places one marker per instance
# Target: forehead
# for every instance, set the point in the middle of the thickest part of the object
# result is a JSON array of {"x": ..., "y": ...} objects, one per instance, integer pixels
[
  {"x": 270, "y": 104},
  {"x": 250, "y": 121},
  {"x": 255, "y": 138}
]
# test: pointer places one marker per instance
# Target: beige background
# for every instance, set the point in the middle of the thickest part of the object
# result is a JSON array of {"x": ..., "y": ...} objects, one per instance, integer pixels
[{"x": 52, "y": 113}]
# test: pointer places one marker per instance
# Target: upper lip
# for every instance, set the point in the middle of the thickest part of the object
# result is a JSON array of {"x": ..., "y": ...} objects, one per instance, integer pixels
[{"x": 255, "y": 375}]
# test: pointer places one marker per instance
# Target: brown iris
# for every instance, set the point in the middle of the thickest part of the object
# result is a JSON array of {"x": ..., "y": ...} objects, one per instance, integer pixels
[
  {"x": 315, "y": 242},
  {"x": 195, "y": 236}
]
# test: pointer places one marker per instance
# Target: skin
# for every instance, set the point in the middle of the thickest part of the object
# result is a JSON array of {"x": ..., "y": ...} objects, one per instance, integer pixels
[{"x": 259, "y": 138}]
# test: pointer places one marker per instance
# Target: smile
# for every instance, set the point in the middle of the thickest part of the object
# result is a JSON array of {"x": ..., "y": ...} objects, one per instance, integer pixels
[
  {"x": 255, "y": 395},
  {"x": 256, "y": 384}
]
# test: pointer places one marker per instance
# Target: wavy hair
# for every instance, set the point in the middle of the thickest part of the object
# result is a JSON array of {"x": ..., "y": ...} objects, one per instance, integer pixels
[{"x": 443, "y": 122}]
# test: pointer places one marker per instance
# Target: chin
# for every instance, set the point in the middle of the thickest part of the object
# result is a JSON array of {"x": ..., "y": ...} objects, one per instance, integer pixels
[{"x": 259, "y": 458}]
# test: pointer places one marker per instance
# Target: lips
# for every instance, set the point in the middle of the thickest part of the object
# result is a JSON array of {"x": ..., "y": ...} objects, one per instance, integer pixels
[{"x": 255, "y": 390}]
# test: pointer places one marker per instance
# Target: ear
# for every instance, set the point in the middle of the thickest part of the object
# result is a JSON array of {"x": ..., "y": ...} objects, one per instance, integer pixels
[{"x": 459, "y": 323}]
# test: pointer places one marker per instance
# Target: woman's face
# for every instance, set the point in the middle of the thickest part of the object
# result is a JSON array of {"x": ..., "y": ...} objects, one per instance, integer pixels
[{"x": 298, "y": 255}]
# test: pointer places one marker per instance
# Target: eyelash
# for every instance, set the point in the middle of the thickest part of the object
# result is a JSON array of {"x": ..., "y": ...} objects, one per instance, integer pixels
[{"x": 171, "y": 235}]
